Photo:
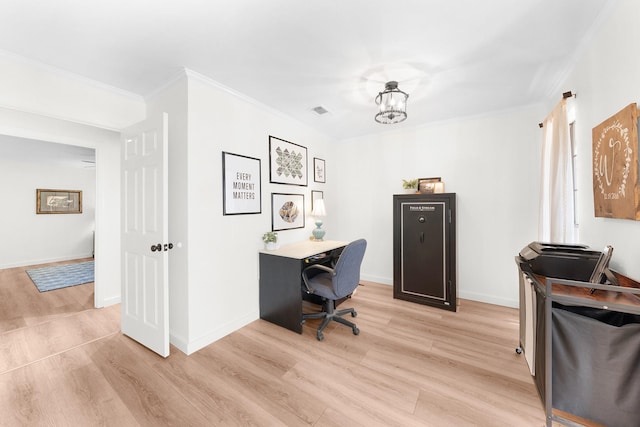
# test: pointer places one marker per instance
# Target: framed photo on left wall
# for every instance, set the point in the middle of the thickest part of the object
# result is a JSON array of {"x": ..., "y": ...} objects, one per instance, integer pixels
[{"x": 241, "y": 191}]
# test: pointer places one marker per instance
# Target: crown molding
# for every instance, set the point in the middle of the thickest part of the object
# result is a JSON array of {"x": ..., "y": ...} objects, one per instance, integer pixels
[{"x": 70, "y": 75}]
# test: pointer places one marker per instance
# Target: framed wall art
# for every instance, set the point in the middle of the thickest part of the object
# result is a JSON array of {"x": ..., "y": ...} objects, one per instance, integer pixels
[
  {"x": 615, "y": 166},
  {"x": 287, "y": 162},
  {"x": 315, "y": 195},
  {"x": 287, "y": 211},
  {"x": 58, "y": 201},
  {"x": 318, "y": 170},
  {"x": 241, "y": 190},
  {"x": 430, "y": 185}
]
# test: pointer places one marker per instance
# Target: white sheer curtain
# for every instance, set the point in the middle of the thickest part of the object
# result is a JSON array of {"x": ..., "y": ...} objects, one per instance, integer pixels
[{"x": 556, "y": 222}]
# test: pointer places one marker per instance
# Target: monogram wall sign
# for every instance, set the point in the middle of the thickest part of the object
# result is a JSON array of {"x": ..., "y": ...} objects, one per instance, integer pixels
[{"x": 615, "y": 166}]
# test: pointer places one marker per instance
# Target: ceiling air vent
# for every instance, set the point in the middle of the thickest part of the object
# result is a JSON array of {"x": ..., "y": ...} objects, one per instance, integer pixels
[{"x": 320, "y": 110}]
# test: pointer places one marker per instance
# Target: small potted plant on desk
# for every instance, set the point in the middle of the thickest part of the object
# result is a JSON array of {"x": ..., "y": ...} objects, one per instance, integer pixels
[{"x": 270, "y": 239}]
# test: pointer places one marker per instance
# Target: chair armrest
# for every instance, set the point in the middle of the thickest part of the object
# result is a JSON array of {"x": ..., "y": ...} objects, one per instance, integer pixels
[{"x": 305, "y": 279}]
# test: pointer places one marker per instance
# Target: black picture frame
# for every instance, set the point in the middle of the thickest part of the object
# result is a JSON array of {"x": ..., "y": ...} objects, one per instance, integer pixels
[
  {"x": 241, "y": 184},
  {"x": 319, "y": 171},
  {"x": 287, "y": 211},
  {"x": 288, "y": 162}
]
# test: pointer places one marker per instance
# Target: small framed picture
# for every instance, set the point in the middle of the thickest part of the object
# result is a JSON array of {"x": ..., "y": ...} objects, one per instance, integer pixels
[
  {"x": 287, "y": 211},
  {"x": 241, "y": 193},
  {"x": 318, "y": 170},
  {"x": 58, "y": 201},
  {"x": 430, "y": 185},
  {"x": 316, "y": 195},
  {"x": 287, "y": 162}
]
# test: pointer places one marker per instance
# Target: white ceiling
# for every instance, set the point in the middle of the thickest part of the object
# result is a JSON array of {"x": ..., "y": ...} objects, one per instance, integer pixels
[
  {"x": 24, "y": 150},
  {"x": 455, "y": 58}
]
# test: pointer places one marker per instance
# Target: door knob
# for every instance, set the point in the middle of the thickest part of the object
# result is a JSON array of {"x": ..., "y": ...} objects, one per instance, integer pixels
[
  {"x": 157, "y": 247},
  {"x": 168, "y": 246}
]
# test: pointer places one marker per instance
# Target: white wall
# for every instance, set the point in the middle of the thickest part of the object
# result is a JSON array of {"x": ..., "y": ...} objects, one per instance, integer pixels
[
  {"x": 220, "y": 280},
  {"x": 606, "y": 79},
  {"x": 490, "y": 162},
  {"x": 30, "y": 238}
]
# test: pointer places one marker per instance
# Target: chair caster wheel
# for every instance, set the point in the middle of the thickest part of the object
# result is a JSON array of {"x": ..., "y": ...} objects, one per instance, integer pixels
[
  {"x": 356, "y": 331},
  {"x": 354, "y": 313},
  {"x": 320, "y": 336},
  {"x": 518, "y": 350}
]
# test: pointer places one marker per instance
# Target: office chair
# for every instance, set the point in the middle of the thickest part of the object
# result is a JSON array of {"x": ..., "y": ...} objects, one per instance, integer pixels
[{"x": 332, "y": 284}]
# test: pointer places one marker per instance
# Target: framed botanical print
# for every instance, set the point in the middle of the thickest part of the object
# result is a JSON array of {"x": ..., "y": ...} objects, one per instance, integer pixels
[
  {"x": 287, "y": 162},
  {"x": 318, "y": 170},
  {"x": 58, "y": 201},
  {"x": 241, "y": 191},
  {"x": 287, "y": 211}
]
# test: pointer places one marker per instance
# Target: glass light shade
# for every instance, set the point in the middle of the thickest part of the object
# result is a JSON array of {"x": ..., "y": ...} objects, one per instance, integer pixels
[{"x": 393, "y": 104}]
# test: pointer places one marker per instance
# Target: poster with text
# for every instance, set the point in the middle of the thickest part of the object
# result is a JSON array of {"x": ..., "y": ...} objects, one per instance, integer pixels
[{"x": 242, "y": 193}]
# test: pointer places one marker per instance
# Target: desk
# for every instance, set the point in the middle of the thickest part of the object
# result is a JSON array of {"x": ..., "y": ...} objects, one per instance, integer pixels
[{"x": 281, "y": 280}]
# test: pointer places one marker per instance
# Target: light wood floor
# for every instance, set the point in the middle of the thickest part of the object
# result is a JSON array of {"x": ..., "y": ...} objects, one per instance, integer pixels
[{"x": 65, "y": 364}]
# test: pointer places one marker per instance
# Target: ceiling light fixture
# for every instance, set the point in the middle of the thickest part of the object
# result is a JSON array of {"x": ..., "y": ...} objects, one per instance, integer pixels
[{"x": 393, "y": 104}]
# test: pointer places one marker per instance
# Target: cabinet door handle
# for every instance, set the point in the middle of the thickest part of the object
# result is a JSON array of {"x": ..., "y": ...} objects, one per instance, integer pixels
[{"x": 422, "y": 237}]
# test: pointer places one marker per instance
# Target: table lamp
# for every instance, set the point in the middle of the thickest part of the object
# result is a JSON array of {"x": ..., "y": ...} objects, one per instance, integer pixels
[{"x": 318, "y": 212}]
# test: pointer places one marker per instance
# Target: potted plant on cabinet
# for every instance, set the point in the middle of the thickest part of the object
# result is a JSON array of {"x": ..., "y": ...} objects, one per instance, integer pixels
[
  {"x": 270, "y": 239},
  {"x": 411, "y": 185}
]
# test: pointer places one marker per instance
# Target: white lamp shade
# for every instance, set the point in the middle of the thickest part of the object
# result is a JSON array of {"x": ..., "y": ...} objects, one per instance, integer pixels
[{"x": 318, "y": 208}]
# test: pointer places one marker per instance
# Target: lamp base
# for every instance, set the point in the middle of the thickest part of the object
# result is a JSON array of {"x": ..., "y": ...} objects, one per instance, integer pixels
[{"x": 318, "y": 233}]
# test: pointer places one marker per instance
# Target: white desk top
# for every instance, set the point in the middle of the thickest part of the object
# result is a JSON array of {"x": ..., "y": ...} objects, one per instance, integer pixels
[{"x": 305, "y": 249}]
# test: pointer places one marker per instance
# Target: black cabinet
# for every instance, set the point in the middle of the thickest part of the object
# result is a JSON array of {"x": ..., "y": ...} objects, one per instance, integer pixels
[{"x": 424, "y": 249}]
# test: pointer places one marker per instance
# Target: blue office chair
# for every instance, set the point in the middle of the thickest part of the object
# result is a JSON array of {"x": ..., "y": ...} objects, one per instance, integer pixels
[{"x": 336, "y": 283}]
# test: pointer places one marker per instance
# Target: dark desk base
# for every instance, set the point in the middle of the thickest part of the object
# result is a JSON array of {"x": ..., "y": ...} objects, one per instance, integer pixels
[
  {"x": 281, "y": 288},
  {"x": 281, "y": 291}
]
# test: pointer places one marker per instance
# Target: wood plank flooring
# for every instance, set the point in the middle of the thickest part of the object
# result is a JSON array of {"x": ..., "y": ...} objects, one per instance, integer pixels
[{"x": 411, "y": 365}]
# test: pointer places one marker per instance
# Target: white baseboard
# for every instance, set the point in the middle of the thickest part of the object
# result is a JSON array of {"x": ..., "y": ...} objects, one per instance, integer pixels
[
  {"x": 111, "y": 301},
  {"x": 189, "y": 347},
  {"x": 44, "y": 261},
  {"x": 489, "y": 299},
  {"x": 473, "y": 296},
  {"x": 377, "y": 279}
]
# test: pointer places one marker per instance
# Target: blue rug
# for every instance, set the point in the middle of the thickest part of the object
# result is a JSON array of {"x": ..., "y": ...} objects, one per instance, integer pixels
[{"x": 62, "y": 276}]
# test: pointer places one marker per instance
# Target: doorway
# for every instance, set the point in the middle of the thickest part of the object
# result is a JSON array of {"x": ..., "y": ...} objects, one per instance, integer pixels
[{"x": 41, "y": 239}]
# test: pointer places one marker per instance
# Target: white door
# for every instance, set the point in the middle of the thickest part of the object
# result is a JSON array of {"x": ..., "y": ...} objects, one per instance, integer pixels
[{"x": 145, "y": 291}]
